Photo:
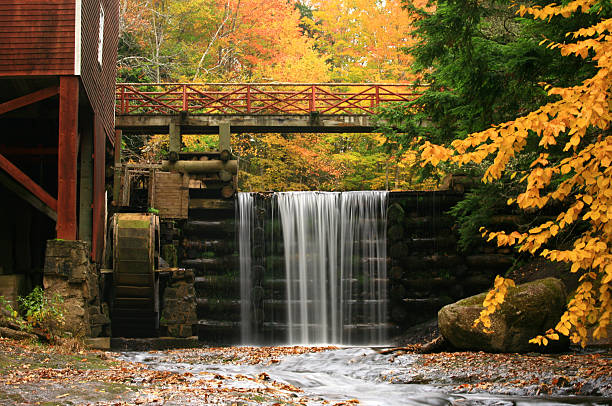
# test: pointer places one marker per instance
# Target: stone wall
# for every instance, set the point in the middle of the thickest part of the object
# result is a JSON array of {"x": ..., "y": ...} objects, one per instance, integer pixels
[
  {"x": 178, "y": 305},
  {"x": 70, "y": 273}
]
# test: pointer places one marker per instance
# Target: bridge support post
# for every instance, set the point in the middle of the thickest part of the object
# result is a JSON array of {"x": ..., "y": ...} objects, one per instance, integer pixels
[
  {"x": 225, "y": 135},
  {"x": 175, "y": 141}
]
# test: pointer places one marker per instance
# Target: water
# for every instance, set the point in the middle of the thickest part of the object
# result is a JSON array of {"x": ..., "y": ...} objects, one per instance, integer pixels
[
  {"x": 362, "y": 374},
  {"x": 245, "y": 214},
  {"x": 335, "y": 272}
]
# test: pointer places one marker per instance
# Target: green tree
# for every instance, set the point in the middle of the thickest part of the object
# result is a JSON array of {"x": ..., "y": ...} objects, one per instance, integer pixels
[{"x": 568, "y": 144}]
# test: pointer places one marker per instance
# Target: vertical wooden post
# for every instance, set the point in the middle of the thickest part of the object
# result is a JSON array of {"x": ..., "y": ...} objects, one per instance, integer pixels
[
  {"x": 99, "y": 188},
  {"x": 224, "y": 137},
  {"x": 377, "y": 95},
  {"x": 248, "y": 101},
  {"x": 123, "y": 105},
  {"x": 312, "y": 98},
  {"x": 175, "y": 140},
  {"x": 86, "y": 183},
  {"x": 67, "y": 158},
  {"x": 185, "y": 98},
  {"x": 117, "y": 167}
]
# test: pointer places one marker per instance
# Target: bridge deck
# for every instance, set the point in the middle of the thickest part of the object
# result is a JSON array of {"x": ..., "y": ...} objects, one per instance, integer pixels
[
  {"x": 255, "y": 107},
  {"x": 209, "y": 124}
]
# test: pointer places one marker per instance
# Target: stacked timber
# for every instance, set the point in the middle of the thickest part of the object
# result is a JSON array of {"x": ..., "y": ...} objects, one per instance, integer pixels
[
  {"x": 426, "y": 269},
  {"x": 211, "y": 176},
  {"x": 208, "y": 245}
]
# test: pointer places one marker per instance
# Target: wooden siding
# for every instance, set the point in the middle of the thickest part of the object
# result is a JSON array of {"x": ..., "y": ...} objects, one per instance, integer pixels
[
  {"x": 37, "y": 37},
  {"x": 171, "y": 195},
  {"x": 99, "y": 84},
  {"x": 99, "y": 81}
]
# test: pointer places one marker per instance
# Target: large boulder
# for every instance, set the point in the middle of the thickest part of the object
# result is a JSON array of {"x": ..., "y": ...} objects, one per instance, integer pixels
[{"x": 529, "y": 309}]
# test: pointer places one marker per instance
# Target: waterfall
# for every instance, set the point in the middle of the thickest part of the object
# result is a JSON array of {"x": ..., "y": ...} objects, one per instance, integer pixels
[
  {"x": 245, "y": 216},
  {"x": 335, "y": 275},
  {"x": 310, "y": 238}
]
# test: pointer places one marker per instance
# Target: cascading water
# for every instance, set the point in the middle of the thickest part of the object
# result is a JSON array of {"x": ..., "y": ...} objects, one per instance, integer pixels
[
  {"x": 310, "y": 238},
  {"x": 334, "y": 251},
  {"x": 245, "y": 215}
]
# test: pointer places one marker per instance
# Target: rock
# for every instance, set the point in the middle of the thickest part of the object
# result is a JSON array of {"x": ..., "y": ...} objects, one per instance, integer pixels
[{"x": 529, "y": 309}]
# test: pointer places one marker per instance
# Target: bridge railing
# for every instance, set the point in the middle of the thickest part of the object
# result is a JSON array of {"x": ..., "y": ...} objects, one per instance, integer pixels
[{"x": 259, "y": 98}]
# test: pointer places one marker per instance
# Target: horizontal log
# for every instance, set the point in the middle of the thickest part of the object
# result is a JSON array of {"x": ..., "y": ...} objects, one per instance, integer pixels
[
  {"x": 492, "y": 261},
  {"x": 211, "y": 204},
  {"x": 211, "y": 166}
]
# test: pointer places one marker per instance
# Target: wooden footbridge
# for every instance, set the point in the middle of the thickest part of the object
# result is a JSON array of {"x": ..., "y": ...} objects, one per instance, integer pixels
[{"x": 254, "y": 107}]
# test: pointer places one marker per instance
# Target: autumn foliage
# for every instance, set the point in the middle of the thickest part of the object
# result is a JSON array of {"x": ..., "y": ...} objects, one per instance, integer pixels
[{"x": 576, "y": 125}]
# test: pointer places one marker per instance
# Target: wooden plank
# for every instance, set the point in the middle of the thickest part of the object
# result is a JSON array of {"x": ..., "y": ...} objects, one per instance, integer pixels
[
  {"x": 28, "y": 99},
  {"x": 133, "y": 267},
  {"x": 47, "y": 41},
  {"x": 67, "y": 158},
  {"x": 133, "y": 254},
  {"x": 44, "y": 30},
  {"x": 35, "y": 151},
  {"x": 39, "y": 71},
  {"x": 133, "y": 291},
  {"x": 134, "y": 279},
  {"x": 26, "y": 195},
  {"x": 169, "y": 194},
  {"x": 131, "y": 242},
  {"x": 132, "y": 303},
  {"x": 28, "y": 183}
]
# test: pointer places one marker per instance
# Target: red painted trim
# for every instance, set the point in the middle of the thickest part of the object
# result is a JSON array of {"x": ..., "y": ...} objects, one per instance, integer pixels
[
  {"x": 28, "y": 183},
  {"x": 67, "y": 158},
  {"x": 259, "y": 98},
  {"x": 28, "y": 99}
]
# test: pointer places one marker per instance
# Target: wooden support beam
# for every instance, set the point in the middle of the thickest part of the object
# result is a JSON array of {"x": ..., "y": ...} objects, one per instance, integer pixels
[
  {"x": 25, "y": 181},
  {"x": 211, "y": 166},
  {"x": 86, "y": 184},
  {"x": 117, "y": 167},
  {"x": 17, "y": 188},
  {"x": 175, "y": 141},
  {"x": 224, "y": 136},
  {"x": 211, "y": 204},
  {"x": 28, "y": 99},
  {"x": 99, "y": 189},
  {"x": 67, "y": 158},
  {"x": 33, "y": 151}
]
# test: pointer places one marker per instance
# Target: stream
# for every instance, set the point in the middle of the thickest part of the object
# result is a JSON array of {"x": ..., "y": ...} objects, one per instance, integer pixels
[{"x": 358, "y": 373}]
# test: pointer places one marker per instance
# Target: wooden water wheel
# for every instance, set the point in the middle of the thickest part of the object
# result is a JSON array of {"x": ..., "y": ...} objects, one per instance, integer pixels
[{"x": 135, "y": 304}]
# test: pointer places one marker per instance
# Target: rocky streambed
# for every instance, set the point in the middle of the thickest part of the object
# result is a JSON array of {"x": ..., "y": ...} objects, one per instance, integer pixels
[
  {"x": 340, "y": 375},
  {"x": 300, "y": 376}
]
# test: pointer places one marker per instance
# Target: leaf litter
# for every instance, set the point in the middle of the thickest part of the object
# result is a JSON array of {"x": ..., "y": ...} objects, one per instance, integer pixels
[{"x": 34, "y": 374}]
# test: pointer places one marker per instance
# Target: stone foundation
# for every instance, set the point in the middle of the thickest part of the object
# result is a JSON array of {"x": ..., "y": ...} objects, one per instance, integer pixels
[
  {"x": 70, "y": 273},
  {"x": 178, "y": 313}
]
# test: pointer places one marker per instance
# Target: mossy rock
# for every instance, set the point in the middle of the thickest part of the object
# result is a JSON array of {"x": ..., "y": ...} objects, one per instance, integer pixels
[{"x": 529, "y": 309}]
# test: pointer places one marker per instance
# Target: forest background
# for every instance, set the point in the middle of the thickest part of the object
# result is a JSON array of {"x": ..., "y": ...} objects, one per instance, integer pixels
[{"x": 276, "y": 41}]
